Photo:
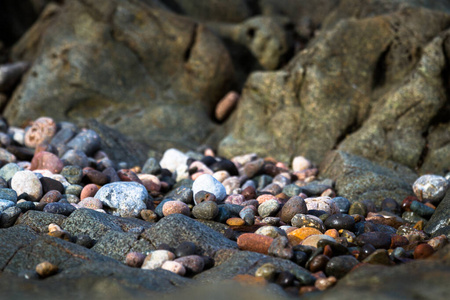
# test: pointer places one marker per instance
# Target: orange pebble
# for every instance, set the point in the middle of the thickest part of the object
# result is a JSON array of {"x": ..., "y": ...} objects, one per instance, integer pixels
[
  {"x": 235, "y": 222},
  {"x": 332, "y": 232},
  {"x": 298, "y": 235},
  {"x": 254, "y": 242},
  {"x": 250, "y": 280},
  {"x": 89, "y": 191}
]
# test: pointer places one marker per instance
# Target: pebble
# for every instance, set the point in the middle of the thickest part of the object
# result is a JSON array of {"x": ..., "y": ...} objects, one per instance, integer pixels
[
  {"x": 339, "y": 266},
  {"x": 322, "y": 203},
  {"x": 270, "y": 231},
  {"x": 193, "y": 264},
  {"x": 221, "y": 175},
  {"x": 172, "y": 159},
  {"x": 8, "y": 194},
  {"x": 280, "y": 248},
  {"x": 97, "y": 177},
  {"x": 175, "y": 207},
  {"x": 89, "y": 190},
  {"x": 91, "y": 202},
  {"x": 46, "y": 161},
  {"x": 151, "y": 166},
  {"x": 174, "y": 267},
  {"x": 235, "y": 222},
  {"x": 7, "y": 156},
  {"x": 203, "y": 196},
  {"x": 206, "y": 210},
  {"x": 74, "y": 189},
  {"x": 75, "y": 157},
  {"x": 46, "y": 269},
  {"x": 323, "y": 284},
  {"x": 124, "y": 199},
  {"x": 209, "y": 184},
  {"x": 73, "y": 174},
  {"x": 421, "y": 209},
  {"x": 302, "y": 220},
  {"x": 254, "y": 242},
  {"x": 156, "y": 259},
  {"x": 27, "y": 182},
  {"x": 275, "y": 221},
  {"x": 337, "y": 248},
  {"x": 390, "y": 205},
  {"x": 285, "y": 279},
  {"x": 430, "y": 187},
  {"x": 423, "y": 251},
  {"x": 50, "y": 184},
  {"x": 61, "y": 208},
  {"x": 51, "y": 196},
  {"x": 149, "y": 215},
  {"x": 300, "y": 163},
  {"x": 185, "y": 249},
  {"x": 298, "y": 235},
  {"x": 282, "y": 180},
  {"x": 379, "y": 257},
  {"x": 9, "y": 170},
  {"x": 318, "y": 263},
  {"x": 237, "y": 199},
  {"x": 343, "y": 204},
  {"x": 312, "y": 240},
  {"x": 249, "y": 192},
  {"x": 380, "y": 240},
  {"x": 9, "y": 216},
  {"x": 332, "y": 232},
  {"x": 252, "y": 168},
  {"x": 135, "y": 259},
  {"x": 357, "y": 208},
  {"x": 151, "y": 182},
  {"x": 42, "y": 130},
  {"x": 86, "y": 141},
  {"x": 295, "y": 205},
  {"x": 184, "y": 194},
  {"x": 340, "y": 221},
  {"x": 231, "y": 184},
  {"x": 248, "y": 214},
  {"x": 267, "y": 271},
  {"x": 268, "y": 208},
  {"x": 226, "y": 106},
  {"x": 292, "y": 190},
  {"x": 438, "y": 242}
]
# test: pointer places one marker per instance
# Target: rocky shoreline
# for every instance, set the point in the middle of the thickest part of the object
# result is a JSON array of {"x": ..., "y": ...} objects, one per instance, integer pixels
[{"x": 75, "y": 220}]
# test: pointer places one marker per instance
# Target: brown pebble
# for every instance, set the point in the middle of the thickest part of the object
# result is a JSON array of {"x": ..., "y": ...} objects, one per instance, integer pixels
[
  {"x": 226, "y": 106},
  {"x": 89, "y": 191},
  {"x": 95, "y": 176},
  {"x": 176, "y": 207},
  {"x": 328, "y": 251},
  {"x": 46, "y": 269},
  {"x": 51, "y": 196},
  {"x": 135, "y": 259},
  {"x": 42, "y": 130},
  {"x": 91, "y": 202},
  {"x": 247, "y": 279},
  {"x": 328, "y": 193},
  {"x": 46, "y": 161},
  {"x": 235, "y": 222},
  {"x": 325, "y": 283},
  {"x": 254, "y": 242},
  {"x": 151, "y": 182},
  {"x": 318, "y": 263},
  {"x": 128, "y": 175},
  {"x": 332, "y": 232},
  {"x": 423, "y": 251},
  {"x": 398, "y": 241},
  {"x": 149, "y": 215},
  {"x": 406, "y": 203},
  {"x": 249, "y": 193}
]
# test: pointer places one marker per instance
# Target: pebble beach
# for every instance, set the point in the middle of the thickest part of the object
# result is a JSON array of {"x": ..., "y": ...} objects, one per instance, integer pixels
[{"x": 195, "y": 215}]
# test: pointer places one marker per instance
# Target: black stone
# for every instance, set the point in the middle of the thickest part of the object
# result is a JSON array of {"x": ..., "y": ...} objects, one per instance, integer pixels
[
  {"x": 340, "y": 221},
  {"x": 186, "y": 248},
  {"x": 337, "y": 248},
  {"x": 300, "y": 258},
  {"x": 64, "y": 209},
  {"x": 391, "y": 205},
  {"x": 85, "y": 241},
  {"x": 208, "y": 160},
  {"x": 343, "y": 204},
  {"x": 339, "y": 266},
  {"x": 49, "y": 184},
  {"x": 285, "y": 278},
  {"x": 365, "y": 251},
  {"x": 380, "y": 240},
  {"x": 226, "y": 165}
]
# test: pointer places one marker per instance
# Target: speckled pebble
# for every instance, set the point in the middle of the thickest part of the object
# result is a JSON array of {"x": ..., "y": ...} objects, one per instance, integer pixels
[
  {"x": 172, "y": 159},
  {"x": 430, "y": 187},
  {"x": 203, "y": 196},
  {"x": 174, "y": 267},
  {"x": 9, "y": 170},
  {"x": 302, "y": 220},
  {"x": 340, "y": 221},
  {"x": 91, "y": 202},
  {"x": 42, "y": 130},
  {"x": 269, "y": 208},
  {"x": 323, "y": 284},
  {"x": 339, "y": 266},
  {"x": 73, "y": 174},
  {"x": 156, "y": 259},
  {"x": 300, "y": 163},
  {"x": 135, "y": 259},
  {"x": 46, "y": 269},
  {"x": 266, "y": 271},
  {"x": 175, "y": 207},
  {"x": 298, "y": 235},
  {"x": 209, "y": 184},
  {"x": 64, "y": 209},
  {"x": 46, "y": 161},
  {"x": 51, "y": 196},
  {"x": 206, "y": 210},
  {"x": 254, "y": 242},
  {"x": 343, "y": 204},
  {"x": 322, "y": 203},
  {"x": 270, "y": 231},
  {"x": 295, "y": 205},
  {"x": 281, "y": 248},
  {"x": 312, "y": 240},
  {"x": 125, "y": 199},
  {"x": 27, "y": 182},
  {"x": 193, "y": 264},
  {"x": 9, "y": 216}
]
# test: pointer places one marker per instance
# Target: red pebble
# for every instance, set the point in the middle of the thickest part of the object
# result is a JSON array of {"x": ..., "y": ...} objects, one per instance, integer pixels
[
  {"x": 254, "y": 242},
  {"x": 88, "y": 191},
  {"x": 135, "y": 259},
  {"x": 46, "y": 161},
  {"x": 128, "y": 175},
  {"x": 423, "y": 251}
]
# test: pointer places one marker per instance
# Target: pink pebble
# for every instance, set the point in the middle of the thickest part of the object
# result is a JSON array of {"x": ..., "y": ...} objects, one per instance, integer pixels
[
  {"x": 135, "y": 259},
  {"x": 176, "y": 207},
  {"x": 89, "y": 191},
  {"x": 174, "y": 267}
]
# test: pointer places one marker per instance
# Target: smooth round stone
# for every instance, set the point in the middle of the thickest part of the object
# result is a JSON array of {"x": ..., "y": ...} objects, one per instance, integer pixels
[
  {"x": 50, "y": 184},
  {"x": 225, "y": 165},
  {"x": 262, "y": 181},
  {"x": 300, "y": 163},
  {"x": 206, "y": 210},
  {"x": 183, "y": 193},
  {"x": 266, "y": 271},
  {"x": 390, "y": 205},
  {"x": 366, "y": 251},
  {"x": 174, "y": 267},
  {"x": 9, "y": 216},
  {"x": 64, "y": 209},
  {"x": 378, "y": 257},
  {"x": 172, "y": 159},
  {"x": 135, "y": 259},
  {"x": 89, "y": 190},
  {"x": 151, "y": 166},
  {"x": 96, "y": 177},
  {"x": 337, "y": 248},
  {"x": 268, "y": 208},
  {"x": 46, "y": 161},
  {"x": 194, "y": 264},
  {"x": 91, "y": 202},
  {"x": 209, "y": 184},
  {"x": 292, "y": 190},
  {"x": 298, "y": 235},
  {"x": 221, "y": 175},
  {"x": 285, "y": 279},
  {"x": 357, "y": 208},
  {"x": 280, "y": 248},
  {"x": 237, "y": 199},
  {"x": 323, "y": 284},
  {"x": 249, "y": 192},
  {"x": 159, "y": 207},
  {"x": 74, "y": 189},
  {"x": 151, "y": 182},
  {"x": 322, "y": 203},
  {"x": 87, "y": 141},
  {"x": 282, "y": 180},
  {"x": 42, "y": 130},
  {"x": 73, "y": 174},
  {"x": 318, "y": 263},
  {"x": 339, "y": 266},
  {"x": 340, "y": 221},
  {"x": 235, "y": 222},
  {"x": 343, "y": 204},
  {"x": 270, "y": 231},
  {"x": 9, "y": 170},
  {"x": 156, "y": 259},
  {"x": 27, "y": 182},
  {"x": 75, "y": 157},
  {"x": 203, "y": 196},
  {"x": 248, "y": 214},
  {"x": 46, "y": 269},
  {"x": 254, "y": 242},
  {"x": 295, "y": 205},
  {"x": 231, "y": 184},
  {"x": 272, "y": 188},
  {"x": 226, "y": 106},
  {"x": 126, "y": 199},
  {"x": 430, "y": 187},
  {"x": 251, "y": 168},
  {"x": 185, "y": 249},
  {"x": 275, "y": 221},
  {"x": 302, "y": 220},
  {"x": 25, "y": 206},
  {"x": 312, "y": 240},
  {"x": 379, "y": 240},
  {"x": 423, "y": 251},
  {"x": 422, "y": 209},
  {"x": 175, "y": 207},
  {"x": 8, "y": 194},
  {"x": 51, "y": 196}
]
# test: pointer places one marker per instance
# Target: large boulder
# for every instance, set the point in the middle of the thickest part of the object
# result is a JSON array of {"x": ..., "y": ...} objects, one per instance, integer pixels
[
  {"x": 147, "y": 72},
  {"x": 367, "y": 86}
]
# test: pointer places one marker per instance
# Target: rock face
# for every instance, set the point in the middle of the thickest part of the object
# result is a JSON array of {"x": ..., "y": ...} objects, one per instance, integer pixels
[
  {"x": 152, "y": 68},
  {"x": 357, "y": 178},
  {"x": 392, "y": 95}
]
